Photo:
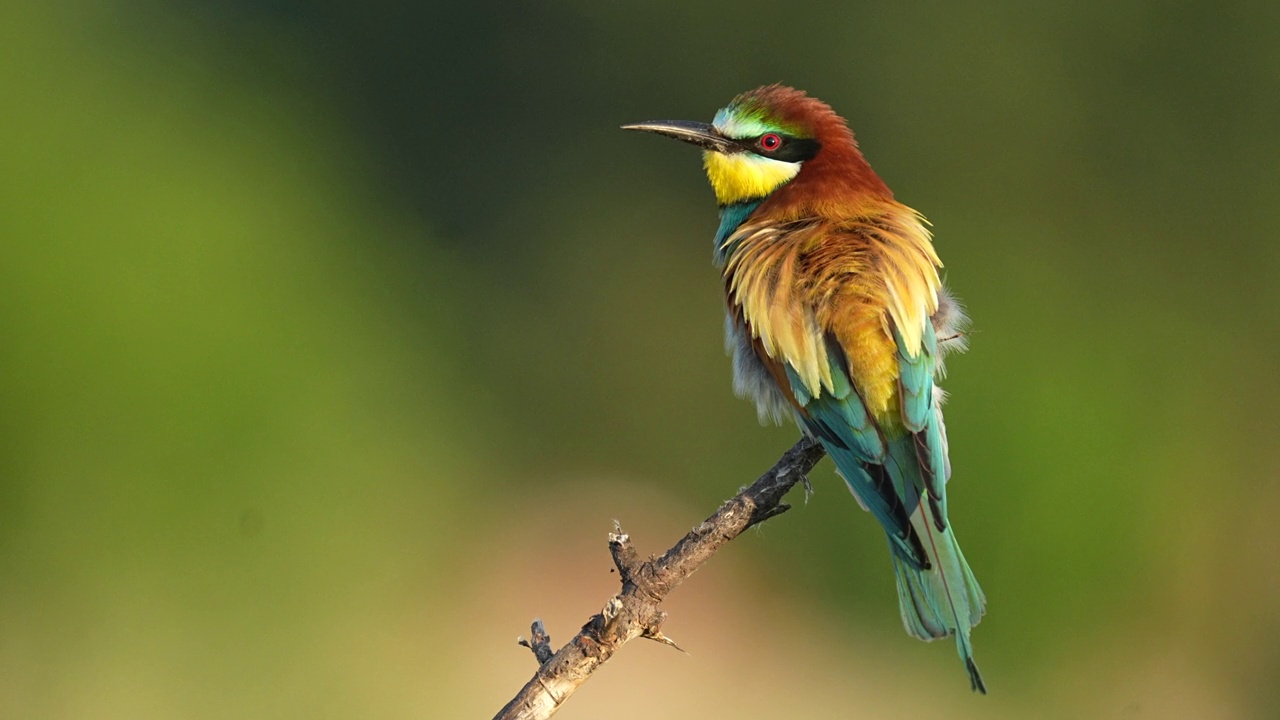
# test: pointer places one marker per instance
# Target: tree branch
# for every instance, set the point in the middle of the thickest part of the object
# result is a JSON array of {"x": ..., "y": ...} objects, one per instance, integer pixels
[{"x": 634, "y": 612}]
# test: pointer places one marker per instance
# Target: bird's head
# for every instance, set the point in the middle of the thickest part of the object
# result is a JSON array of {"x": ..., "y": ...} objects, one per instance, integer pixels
[{"x": 771, "y": 137}]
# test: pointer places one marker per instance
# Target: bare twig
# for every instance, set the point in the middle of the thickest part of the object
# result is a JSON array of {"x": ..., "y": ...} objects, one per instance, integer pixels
[
  {"x": 634, "y": 612},
  {"x": 539, "y": 642}
]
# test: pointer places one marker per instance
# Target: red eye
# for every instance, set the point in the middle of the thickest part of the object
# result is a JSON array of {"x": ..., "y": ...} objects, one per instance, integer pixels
[{"x": 772, "y": 141}]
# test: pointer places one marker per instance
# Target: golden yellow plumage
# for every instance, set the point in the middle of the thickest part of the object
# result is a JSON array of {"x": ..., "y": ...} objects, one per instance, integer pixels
[{"x": 798, "y": 282}]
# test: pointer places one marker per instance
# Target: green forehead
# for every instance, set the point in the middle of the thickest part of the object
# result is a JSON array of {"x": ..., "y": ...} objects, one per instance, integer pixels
[{"x": 749, "y": 120}]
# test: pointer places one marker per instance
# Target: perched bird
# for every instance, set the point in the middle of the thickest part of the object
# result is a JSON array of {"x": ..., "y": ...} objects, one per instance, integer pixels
[{"x": 836, "y": 317}]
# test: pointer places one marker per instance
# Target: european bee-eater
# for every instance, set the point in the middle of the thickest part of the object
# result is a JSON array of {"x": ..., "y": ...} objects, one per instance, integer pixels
[{"x": 836, "y": 316}]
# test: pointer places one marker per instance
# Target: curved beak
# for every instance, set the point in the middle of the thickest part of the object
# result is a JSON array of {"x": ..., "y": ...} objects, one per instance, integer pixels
[{"x": 704, "y": 135}]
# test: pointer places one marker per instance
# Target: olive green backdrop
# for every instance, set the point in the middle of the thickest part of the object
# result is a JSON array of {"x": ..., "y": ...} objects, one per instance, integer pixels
[{"x": 334, "y": 338}]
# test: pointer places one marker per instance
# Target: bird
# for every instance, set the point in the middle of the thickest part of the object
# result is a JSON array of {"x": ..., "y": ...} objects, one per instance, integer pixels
[{"x": 836, "y": 316}]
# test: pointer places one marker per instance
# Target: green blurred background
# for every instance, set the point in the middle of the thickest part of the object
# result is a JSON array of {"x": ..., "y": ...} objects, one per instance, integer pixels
[{"x": 333, "y": 338}]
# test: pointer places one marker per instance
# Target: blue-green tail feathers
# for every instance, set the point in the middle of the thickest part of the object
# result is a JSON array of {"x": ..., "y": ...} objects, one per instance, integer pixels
[
  {"x": 938, "y": 595},
  {"x": 944, "y": 600}
]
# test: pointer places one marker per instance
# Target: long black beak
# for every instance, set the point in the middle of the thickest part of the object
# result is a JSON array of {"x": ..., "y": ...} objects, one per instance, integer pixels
[{"x": 704, "y": 135}]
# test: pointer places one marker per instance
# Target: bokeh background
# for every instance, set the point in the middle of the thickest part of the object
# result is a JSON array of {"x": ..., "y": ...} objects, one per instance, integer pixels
[{"x": 334, "y": 337}]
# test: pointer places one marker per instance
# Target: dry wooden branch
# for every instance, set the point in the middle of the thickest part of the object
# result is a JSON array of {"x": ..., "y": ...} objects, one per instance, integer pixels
[{"x": 634, "y": 611}]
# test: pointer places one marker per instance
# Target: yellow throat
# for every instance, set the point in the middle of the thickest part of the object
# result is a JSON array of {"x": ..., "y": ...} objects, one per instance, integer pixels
[{"x": 745, "y": 176}]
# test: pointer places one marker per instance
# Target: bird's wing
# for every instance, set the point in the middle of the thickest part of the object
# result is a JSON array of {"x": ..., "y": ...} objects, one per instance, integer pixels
[
  {"x": 822, "y": 303},
  {"x": 922, "y": 419},
  {"x": 863, "y": 456},
  {"x": 840, "y": 313}
]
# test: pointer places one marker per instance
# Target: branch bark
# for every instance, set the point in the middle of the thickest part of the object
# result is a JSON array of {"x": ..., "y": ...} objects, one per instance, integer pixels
[{"x": 634, "y": 611}]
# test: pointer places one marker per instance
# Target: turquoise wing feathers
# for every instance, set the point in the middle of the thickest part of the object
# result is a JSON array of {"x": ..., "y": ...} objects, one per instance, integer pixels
[
  {"x": 841, "y": 422},
  {"x": 922, "y": 419}
]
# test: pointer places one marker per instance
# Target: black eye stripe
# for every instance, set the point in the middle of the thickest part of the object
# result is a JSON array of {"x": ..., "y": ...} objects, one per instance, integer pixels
[{"x": 789, "y": 149}]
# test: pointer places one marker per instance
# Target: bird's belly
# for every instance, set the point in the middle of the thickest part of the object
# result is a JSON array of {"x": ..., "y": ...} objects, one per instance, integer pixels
[{"x": 751, "y": 379}]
